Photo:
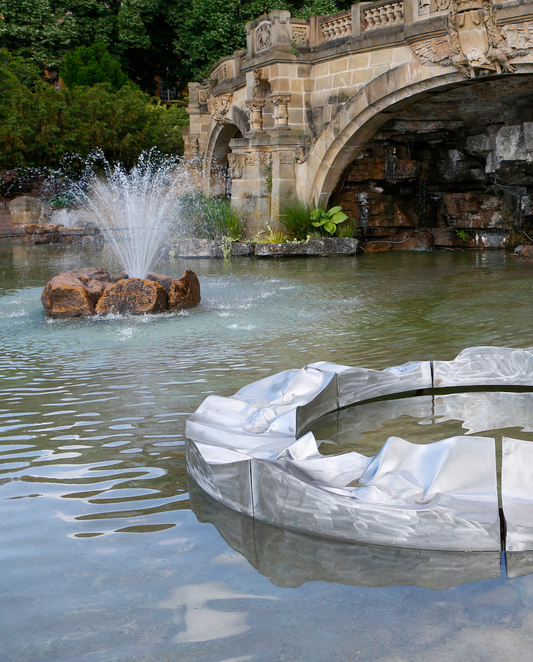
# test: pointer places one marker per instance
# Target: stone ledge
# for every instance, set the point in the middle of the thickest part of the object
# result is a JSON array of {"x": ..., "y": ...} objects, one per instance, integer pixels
[
  {"x": 317, "y": 246},
  {"x": 213, "y": 248}
]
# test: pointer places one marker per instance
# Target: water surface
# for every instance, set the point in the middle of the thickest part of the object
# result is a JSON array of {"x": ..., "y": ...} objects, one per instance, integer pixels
[{"x": 102, "y": 558}]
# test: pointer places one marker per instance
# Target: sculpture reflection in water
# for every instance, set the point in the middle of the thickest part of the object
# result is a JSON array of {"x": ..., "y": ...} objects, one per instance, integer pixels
[
  {"x": 245, "y": 451},
  {"x": 290, "y": 558}
]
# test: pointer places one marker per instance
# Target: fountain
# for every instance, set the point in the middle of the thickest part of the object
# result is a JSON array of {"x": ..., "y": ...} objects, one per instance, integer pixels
[{"x": 134, "y": 209}]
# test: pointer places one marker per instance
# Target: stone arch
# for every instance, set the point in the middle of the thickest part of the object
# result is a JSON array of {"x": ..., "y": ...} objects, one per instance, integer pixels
[
  {"x": 216, "y": 157},
  {"x": 366, "y": 111}
]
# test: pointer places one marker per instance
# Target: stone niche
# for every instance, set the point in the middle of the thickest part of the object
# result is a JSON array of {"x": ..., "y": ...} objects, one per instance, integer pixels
[{"x": 451, "y": 171}]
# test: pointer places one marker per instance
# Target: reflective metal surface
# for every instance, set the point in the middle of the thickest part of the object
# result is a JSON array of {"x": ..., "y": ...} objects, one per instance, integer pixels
[
  {"x": 486, "y": 366},
  {"x": 440, "y": 496},
  {"x": 517, "y": 493},
  {"x": 290, "y": 558}
]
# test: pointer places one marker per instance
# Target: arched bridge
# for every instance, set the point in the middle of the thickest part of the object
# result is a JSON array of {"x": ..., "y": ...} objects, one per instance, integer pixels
[{"x": 412, "y": 114}]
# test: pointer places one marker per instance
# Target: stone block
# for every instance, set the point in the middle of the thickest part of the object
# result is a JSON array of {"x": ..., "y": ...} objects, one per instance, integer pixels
[
  {"x": 382, "y": 56},
  {"x": 360, "y": 61},
  {"x": 25, "y": 209},
  {"x": 338, "y": 66}
]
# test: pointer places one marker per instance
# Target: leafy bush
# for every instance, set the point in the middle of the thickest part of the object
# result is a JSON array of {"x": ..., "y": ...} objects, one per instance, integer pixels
[
  {"x": 302, "y": 220},
  {"x": 209, "y": 218},
  {"x": 41, "y": 126},
  {"x": 328, "y": 219},
  {"x": 89, "y": 65}
]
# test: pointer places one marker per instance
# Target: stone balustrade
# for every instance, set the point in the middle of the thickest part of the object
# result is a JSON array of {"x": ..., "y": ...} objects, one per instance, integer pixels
[
  {"x": 383, "y": 15},
  {"x": 334, "y": 27}
]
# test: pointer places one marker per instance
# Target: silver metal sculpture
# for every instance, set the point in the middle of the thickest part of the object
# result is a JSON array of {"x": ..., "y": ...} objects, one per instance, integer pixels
[{"x": 246, "y": 452}]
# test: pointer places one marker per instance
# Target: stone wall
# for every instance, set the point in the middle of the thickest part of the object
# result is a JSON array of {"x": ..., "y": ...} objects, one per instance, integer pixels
[{"x": 288, "y": 116}]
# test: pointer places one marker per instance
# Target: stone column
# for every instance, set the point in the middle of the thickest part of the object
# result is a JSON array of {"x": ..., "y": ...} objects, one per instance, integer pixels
[
  {"x": 251, "y": 170},
  {"x": 287, "y": 151},
  {"x": 281, "y": 103},
  {"x": 255, "y": 106}
]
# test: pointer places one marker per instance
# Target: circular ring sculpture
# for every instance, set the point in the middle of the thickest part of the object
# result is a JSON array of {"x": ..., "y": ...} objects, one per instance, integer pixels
[{"x": 245, "y": 451}]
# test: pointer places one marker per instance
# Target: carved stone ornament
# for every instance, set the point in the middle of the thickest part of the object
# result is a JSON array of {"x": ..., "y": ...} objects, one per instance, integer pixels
[
  {"x": 263, "y": 36},
  {"x": 300, "y": 35},
  {"x": 283, "y": 157},
  {"x": 236, "y": 163},
  {"x": 475, "y": 45},
  {"x": 302, "y": 153},
  {"x": 219, "y": 106}
]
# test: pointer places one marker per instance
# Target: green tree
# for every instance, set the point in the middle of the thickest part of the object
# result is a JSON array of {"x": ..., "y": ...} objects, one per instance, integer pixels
[
  {"x": 173, "y": 39},
  {"x": 40, "y": 125},
  {"x": 206, "y": 30},
  {"x": 88, "y": 65}
]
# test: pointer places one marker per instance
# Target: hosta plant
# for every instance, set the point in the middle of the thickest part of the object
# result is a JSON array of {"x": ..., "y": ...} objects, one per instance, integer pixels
[{"x": 328, "y": 219}]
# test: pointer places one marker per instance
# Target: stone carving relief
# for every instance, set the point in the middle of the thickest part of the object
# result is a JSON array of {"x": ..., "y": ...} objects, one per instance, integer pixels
[
  {"x": 219, "y": 106},
  {"x": 300, "y": 35},
  {"x": 283, "y": 157},
  {"x": 263, "y": 36},
  {"x": 237, "y": 162},
  {"x": 302, "y": 153},
  {"x": 255, "y": 108},
  {"x": 281, "y": 103},
  {"x": 220, "y": 73},
  {"x": 438, "y": 5},
  {"x": 423, "y": 7},
  {"x": 475, "y": 44}
]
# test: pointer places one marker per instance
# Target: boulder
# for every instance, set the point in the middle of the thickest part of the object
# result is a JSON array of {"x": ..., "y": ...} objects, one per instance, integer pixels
[
  {"x": 184, "y": 292},
  {"x": 95, "y": 281},
  {"x": 164, "y": 281},
  {"x": 89, "y": 291},
  {"x": 134, "y": 296},
  {"x": 67, "y": 296}
]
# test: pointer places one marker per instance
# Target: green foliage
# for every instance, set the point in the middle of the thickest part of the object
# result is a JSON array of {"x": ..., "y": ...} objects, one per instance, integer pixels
[
  {"x": 175, "y": 39},
  {"x": 271, "y": 236},
  {"x": 40, "y": 126},
  {"x": 295, "y": 218},
  {"x": 88, "y": 65},
  {"x": 462, "y": 234},
  {"x": 328, "y": 219},
  {"x": 209, "y": 218}
]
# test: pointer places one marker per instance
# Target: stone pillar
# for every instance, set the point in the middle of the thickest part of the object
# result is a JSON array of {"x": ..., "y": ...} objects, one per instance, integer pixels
[
  {"x": 287, "y": 151},
  {"x": 281, "y": 30},
  {"x": 255, "y": 106},
  {"x": 281, "y": 103},
  {"x": 251, "y": 170}
]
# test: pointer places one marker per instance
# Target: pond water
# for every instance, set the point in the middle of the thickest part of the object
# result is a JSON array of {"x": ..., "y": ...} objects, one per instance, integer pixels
[{"x": 104, "y": 555}]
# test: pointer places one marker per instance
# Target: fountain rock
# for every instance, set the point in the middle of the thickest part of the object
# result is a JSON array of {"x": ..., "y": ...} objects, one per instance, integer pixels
[
  {"x": 85, "y": 292},
  {"x": 135, "y": 296},
  {"x": 75, "y": 293},
  {"x": 184, "y": 292}
]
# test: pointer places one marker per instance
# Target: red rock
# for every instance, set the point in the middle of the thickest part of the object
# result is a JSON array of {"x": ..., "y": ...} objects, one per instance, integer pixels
[
  {"x": 184, "y": 292},
  {"x": 165, "y": 281},
  {"x": 133, "y": 296},
  {"x": 67, "y": 296}
]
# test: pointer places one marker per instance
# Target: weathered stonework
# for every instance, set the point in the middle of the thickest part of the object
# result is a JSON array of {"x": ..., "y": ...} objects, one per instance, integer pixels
[{"x": 359, "y": 108}]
